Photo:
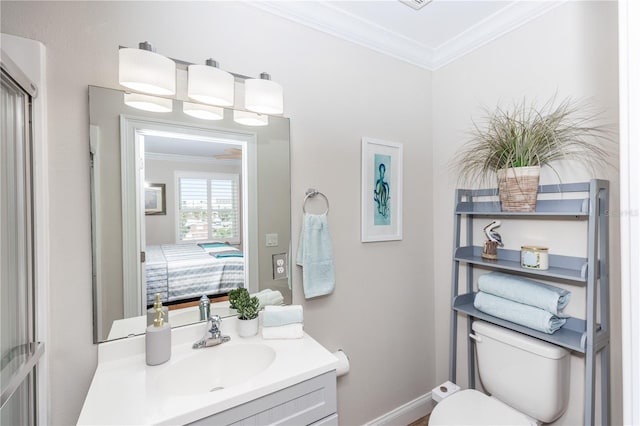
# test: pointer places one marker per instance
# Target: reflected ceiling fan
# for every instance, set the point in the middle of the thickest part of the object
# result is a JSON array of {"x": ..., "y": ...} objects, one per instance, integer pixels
[{"x": 231, "y": 154}]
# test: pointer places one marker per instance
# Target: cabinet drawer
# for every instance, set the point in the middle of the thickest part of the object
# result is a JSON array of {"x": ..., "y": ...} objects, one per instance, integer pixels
[{"x": 301, "y": 404}]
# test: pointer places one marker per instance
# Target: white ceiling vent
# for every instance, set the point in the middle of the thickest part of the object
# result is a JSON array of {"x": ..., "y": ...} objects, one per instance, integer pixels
[{"x": 416, "y": 4}]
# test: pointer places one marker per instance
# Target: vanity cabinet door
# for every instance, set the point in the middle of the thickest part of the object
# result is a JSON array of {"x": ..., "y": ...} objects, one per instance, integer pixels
[{"x": 305, "y": 403}]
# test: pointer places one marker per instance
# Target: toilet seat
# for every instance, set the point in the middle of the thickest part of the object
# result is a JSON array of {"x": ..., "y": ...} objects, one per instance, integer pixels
[{"x": 471, "y": 407}]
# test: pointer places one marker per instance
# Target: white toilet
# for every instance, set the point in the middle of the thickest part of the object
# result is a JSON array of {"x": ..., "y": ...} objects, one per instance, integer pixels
[{"x": 528, "y": 381}]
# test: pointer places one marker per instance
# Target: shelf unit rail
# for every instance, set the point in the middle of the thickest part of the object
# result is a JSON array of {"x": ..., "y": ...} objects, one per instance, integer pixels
[{"x": 585, "y": 336}]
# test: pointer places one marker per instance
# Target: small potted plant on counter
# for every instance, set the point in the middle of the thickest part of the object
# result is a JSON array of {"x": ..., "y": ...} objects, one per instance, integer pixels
[{"x": 247, "y": 308}]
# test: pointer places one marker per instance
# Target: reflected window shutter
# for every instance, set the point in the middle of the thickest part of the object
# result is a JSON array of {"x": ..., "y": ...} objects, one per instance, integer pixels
[
  {"x": 194, "y": 208},
  {"x": 224, "y": 207},
  {"x": 209, "y": 207}
]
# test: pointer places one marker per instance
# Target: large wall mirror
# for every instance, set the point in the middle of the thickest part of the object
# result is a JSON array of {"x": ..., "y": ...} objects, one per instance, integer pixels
[{"x": 183, "y": 207}]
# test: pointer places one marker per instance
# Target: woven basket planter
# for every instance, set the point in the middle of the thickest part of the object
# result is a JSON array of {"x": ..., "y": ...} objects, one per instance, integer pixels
[{"x": 518, "y": 188}]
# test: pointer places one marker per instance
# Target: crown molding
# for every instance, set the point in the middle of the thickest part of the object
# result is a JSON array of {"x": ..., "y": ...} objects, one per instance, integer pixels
[
  {"x": 491, "y": 28},
  {"x": 332, "y": 20}
]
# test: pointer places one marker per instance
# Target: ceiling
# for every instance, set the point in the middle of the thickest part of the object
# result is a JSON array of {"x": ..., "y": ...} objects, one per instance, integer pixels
[
  {"x": 438, "y": 33},
  {"x": 170, "y": 146}
]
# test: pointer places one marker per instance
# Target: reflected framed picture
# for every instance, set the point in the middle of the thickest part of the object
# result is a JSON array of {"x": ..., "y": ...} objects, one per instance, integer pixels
[
  {"x": 381, "y": 186},
  {"x": 155, "y": 199}
]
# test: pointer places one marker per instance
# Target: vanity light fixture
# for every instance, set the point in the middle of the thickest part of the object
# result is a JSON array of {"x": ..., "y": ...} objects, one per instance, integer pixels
[
  {"x": 148, "y": 103},
  {"x": 263, "y": 96},
  {"x": 145, "y": 71},
  {"x": 210, "y": 85},
  {"x": 203, "y": 112},
  {"x": 250, "y": 118}
]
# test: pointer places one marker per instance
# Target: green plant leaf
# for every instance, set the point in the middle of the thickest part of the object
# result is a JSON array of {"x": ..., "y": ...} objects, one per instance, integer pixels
[{"x": 528, "y": 135}]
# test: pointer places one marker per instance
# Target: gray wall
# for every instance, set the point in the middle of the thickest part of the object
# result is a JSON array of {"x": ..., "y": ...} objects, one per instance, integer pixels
[
  {"x": 386, "y": 312},
  {"x": 335, "y": 93}
]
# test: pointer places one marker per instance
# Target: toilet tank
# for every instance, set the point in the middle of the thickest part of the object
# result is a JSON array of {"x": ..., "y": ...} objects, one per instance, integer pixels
[{"x": 528, "y": 374}]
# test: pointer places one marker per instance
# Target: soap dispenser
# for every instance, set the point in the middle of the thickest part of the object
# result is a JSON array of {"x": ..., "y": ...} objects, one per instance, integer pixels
[
  {"x": 151, "y": 313},
  {"x": 158, "y": 337}
]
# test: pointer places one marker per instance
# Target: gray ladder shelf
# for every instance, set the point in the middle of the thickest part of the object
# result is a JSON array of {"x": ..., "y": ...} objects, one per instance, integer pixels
[{"x": 584, "y": 336}]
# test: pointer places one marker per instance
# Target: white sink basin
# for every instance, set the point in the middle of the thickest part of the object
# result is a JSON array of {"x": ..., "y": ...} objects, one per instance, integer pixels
[{"x": 215, "y": 368}]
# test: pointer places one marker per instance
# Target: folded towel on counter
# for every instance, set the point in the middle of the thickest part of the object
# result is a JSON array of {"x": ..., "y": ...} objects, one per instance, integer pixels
[
  {"x": 519, "y": 313},
  {"x": 275, "y": 316},
  {"x": 269, "y": 297},
  {"x": 315, "y": 255},
  {"x": 527, "y": 291},
  {"x": 289, "y": 331}
]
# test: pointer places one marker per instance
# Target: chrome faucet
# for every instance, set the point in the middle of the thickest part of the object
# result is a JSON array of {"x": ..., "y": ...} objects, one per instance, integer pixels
[{"x": 213, "y": 336}]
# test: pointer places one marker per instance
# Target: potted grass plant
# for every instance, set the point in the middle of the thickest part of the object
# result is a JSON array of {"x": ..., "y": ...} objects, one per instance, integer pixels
[
  {"x": 513, "y": 145},
  {"x": 247, "y": 308}
]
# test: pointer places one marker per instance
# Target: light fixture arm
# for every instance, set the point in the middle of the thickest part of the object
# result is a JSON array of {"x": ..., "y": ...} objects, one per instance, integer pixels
[{"x": 145, "y": 45}]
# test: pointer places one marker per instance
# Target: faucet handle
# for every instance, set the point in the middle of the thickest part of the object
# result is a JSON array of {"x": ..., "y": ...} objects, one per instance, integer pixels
[{"x": 216, "y": 323}]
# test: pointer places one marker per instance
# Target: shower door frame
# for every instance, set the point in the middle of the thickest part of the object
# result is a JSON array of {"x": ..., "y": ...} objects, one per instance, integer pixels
[{"x": 33, "y": 369}]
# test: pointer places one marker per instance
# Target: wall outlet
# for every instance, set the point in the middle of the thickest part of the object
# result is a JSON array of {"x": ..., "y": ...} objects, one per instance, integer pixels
[
  {"x": 280, "y": 266},
  {"x": 271, "y": 240}
]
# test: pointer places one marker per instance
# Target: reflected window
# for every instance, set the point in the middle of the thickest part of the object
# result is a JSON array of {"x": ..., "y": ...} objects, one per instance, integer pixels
[{"x": 208, "y": 207}]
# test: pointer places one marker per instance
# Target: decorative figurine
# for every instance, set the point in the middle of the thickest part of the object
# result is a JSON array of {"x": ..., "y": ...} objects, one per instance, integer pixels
[{"x": 490, "y": 249}]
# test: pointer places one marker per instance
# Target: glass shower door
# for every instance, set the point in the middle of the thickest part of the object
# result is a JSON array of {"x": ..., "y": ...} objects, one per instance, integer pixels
[{"x": 19, "y": 353}]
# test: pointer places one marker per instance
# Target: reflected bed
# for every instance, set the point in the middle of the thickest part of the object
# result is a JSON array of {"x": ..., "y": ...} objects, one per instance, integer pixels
[{"x": 184, "y": 271}]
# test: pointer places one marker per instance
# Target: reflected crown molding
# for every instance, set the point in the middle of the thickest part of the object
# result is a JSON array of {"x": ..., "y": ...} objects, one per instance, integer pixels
[{"x": 188, "y": 158}]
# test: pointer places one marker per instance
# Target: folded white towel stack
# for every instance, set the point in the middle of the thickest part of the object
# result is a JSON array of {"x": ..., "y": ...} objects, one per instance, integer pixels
[
  {"x": 282, "y": 322},
  {"x": 289, "y": 331},
  {"x": 275, "y": 316}
]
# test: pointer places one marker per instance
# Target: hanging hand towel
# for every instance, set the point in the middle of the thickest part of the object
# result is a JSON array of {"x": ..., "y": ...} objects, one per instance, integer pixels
[{"x": 315, "y": 255}]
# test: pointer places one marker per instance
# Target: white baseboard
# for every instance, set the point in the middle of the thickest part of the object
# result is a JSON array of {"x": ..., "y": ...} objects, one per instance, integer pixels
[{"x": 406, "y": 413}]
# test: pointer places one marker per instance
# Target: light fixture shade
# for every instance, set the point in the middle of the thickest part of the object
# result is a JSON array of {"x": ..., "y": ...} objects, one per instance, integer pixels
[
  {"x": 147, "y": 72},
  {"x": 148, "y": 103},
  {"x": 263, "y": 95},
  {"x": 203, "y": 112},
  {"x": 250, "y": 118},
  {"x": 210, "y": 85}
]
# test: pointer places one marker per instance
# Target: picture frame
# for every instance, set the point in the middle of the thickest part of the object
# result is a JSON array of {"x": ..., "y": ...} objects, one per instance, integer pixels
[
  {"x": 155, "y": 201},
  {"x": 381, "y": 187}
]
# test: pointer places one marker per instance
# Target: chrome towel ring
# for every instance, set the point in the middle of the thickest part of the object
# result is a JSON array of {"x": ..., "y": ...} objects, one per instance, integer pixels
[{"x": 310, "y": 193}]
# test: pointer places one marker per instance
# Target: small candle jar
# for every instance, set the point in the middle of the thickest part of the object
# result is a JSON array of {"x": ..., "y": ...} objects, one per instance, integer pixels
[{"x": 534, "y": 257}]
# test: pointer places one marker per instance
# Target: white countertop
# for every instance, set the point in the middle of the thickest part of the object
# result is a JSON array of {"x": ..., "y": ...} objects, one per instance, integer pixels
[
  {"x": 122, "y": 389},
  {"x": 129, "y": 327}
]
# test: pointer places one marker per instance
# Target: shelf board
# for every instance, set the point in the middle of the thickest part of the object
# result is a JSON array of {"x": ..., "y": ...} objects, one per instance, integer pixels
[
  {"x": 572, "y": 335},
  {"x": 578, "y": 207},
  {"x": 560, "y": 267}
]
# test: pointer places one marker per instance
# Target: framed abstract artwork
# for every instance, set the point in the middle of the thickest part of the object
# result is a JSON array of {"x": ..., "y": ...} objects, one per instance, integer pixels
[{"x": 381, "y": 185}]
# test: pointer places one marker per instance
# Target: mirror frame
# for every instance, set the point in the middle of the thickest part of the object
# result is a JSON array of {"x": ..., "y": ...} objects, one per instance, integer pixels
[{"x": 266, "y": 198}]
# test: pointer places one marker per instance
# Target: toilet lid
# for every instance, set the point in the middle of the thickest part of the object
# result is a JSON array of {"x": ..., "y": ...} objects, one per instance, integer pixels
[{"x": 471, "y": 407}]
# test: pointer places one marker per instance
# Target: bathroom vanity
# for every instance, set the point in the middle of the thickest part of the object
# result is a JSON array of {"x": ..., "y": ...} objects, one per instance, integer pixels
[{"x": 243, "y": 380}]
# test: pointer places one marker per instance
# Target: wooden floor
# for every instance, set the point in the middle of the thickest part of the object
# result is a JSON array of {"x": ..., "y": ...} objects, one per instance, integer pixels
[{"x": 421, "y": 422}]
